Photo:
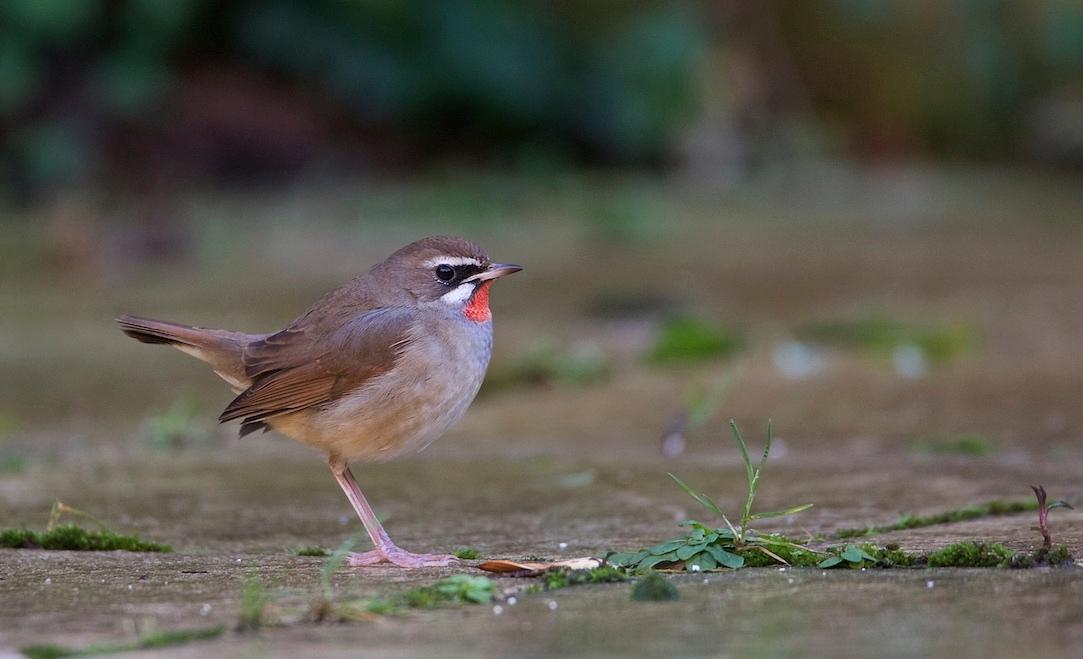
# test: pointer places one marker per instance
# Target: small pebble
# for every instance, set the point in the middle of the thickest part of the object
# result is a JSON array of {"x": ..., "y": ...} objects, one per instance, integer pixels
[
  {"x": 695, "y": 568},
  {"x": 790, "y": 580},
  {"x": 553, "y": 605},
  {"x": 930, "y": 584},
  {"x": 204, "y": 610},
  {"x": 497, "y": 610},
  {"x": 782, "y": 569},
  {"x": 706, "y": 580},
  {"x": 129, "y": 586},
  {"x": 48, "y": 580},
  {"x": 562, "y": 546},
  {"x": 512, "y": 601}
]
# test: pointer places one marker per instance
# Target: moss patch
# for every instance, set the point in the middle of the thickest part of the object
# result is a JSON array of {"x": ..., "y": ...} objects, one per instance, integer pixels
[
  {"x": 655, "y": 588},
  {"x": 311, "y": 551},
  {"x": 466, "y": 554},
  {"x": 149, "y": 642},
  {"x": 990, "y": 509},
  {"x": 75, "y": 538}
]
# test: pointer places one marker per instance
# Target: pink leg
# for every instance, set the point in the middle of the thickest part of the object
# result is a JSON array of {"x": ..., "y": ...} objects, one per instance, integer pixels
[{"x": 385, "y": 551}]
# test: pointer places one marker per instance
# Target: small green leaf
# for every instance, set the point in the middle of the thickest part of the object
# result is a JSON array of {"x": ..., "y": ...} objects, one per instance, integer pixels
[
  {"x": 703, "y": 560},
  {"x": 855, "y": 554},
  {"x": 626, "y": 559},
  {"x": 651, "y": 561},
  {"x": 830, "y": 561},
  {"x": 668, "y": 546},
  {"x": 688, "y": 551},
  {"x": 725, "y": 558},
  {"x": 782, "y": 513}
]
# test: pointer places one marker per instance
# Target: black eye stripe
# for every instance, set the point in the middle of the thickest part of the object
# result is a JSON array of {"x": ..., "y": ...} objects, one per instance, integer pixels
[{"x": 449, "y": 274}]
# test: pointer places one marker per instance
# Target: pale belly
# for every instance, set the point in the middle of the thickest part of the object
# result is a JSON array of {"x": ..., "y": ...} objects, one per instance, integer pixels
[{"x": 404, "y": 410}]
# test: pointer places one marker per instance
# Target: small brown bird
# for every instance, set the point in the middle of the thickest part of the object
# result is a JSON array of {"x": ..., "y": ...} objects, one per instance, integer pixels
[{"x": 379, "y": 367}]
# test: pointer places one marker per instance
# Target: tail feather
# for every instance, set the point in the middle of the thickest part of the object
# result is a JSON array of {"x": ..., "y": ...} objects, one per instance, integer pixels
[
  {"x": 146, "y": 330},
  {"x": 222, "y": 349}
]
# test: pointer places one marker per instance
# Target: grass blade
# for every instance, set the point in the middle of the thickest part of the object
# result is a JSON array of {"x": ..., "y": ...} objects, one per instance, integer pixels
[
  {"x": 782, "y": 513},
  {"x": 749, "y": 471},
  {"x": 701, "y": 499}
]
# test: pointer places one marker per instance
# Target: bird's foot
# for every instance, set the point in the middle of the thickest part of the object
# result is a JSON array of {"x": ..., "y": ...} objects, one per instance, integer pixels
[{"x": 401, "y": 558}]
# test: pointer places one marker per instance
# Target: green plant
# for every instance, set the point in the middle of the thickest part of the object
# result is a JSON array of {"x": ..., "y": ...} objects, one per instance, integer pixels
[
  {"x": 466, "y": 553},
  {"x": 1043, "y": 515},
  {"x": 253, "y": 603},
  {"x": 310, "y": 551},
  {"x": 705, "y": 548},
  {"x": 852, "y": 555}
]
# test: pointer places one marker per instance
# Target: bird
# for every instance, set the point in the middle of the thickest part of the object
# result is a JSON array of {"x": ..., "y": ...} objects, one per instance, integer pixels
[{"x": 380, "y": 367}]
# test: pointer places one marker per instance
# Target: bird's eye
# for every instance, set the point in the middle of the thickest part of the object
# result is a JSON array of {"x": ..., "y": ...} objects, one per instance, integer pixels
[{"x": 445, "y": 273}]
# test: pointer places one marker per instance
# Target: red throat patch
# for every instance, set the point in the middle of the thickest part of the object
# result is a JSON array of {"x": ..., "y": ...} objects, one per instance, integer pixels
[{"x": 477, "y": 309}]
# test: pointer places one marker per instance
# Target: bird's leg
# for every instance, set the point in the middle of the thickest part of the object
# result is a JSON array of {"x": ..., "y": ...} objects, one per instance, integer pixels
[{"x": 385, "y": 551}]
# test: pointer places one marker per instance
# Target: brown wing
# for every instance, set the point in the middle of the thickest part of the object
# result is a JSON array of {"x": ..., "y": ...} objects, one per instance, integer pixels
[{"x": 315, "y": 361}]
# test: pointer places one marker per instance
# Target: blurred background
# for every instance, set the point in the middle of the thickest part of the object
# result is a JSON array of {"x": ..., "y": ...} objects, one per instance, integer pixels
[{"x": 861, "y": 217}]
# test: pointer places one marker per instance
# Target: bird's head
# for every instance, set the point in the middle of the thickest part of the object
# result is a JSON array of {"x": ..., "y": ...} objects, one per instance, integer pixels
[{"x": 447, "y": 273}]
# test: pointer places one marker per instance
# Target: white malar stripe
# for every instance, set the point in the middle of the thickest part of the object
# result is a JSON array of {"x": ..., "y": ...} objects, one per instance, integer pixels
[
  {"x": 459, "y": 294},
  {"x": 451, "y": 260}
]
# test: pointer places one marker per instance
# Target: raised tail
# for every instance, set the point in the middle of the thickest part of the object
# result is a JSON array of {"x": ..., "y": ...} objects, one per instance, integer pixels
[{"x": 222, "y": 349}]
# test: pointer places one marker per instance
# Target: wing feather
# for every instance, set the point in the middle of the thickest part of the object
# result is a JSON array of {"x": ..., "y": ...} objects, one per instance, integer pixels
[{"x": 316, "y": 360}]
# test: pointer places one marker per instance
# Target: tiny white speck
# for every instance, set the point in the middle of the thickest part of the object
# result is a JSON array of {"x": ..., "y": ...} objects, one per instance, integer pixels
[
  {"x": 706, "y": 580},
  {"x": 790, "y": 580},
  {"x": 562, "y": 546},
  {"x": 512, "y": 601},
  {"x": 48, "y": 580},
  {"x": 863, "y": 569},
  {"x": 497, "y": 610},
  {"x": 930, "y": 584},
  {"x": 695, "y": 568},
  {"x": 129, "y": 586},
  {"x": 782, "y": 569},
  {"x": 205, "y": 610},
  {"x": 553, "y": 605}
]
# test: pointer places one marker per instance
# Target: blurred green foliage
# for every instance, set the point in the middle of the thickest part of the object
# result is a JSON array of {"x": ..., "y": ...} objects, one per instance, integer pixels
[
  {"x": 612, "y": 81},
  {"x": 686, "y": 339},
  {"x": 94, "y": 90},
  {"x": 880, "y": 334}
]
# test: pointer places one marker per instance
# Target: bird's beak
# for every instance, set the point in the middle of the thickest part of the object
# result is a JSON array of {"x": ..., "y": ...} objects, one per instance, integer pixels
[{"x": 495, "y": 271}]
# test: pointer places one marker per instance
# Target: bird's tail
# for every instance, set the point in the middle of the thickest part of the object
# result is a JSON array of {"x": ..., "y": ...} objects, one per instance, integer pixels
[{"x": 222, "y": 349}]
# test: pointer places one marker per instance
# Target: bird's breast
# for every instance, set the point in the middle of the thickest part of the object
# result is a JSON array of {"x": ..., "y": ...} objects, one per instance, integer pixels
[{"x": 405, "y": 409}]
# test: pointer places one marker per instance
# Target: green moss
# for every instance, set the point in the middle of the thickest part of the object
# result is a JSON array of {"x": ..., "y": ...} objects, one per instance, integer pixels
[
  {"x": 654, "y": 588},
  {"x": 149, "y": 642},
  {"x": 558, "y": 578},
  {"x": 253, "y": 602},
  {"x": 990, "y": 509},
  {"x": 75, "y": 538},
  {"x": 458, "y": 588},
  {"x": 466, "y": 553},
  {"x": 311, "y": 551},
  {"x": 880, "y": 334},
  {"x": 971, "y": 554},
  {"x": 959, "y": 445},
  {"x": 684, "y": 340}
]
